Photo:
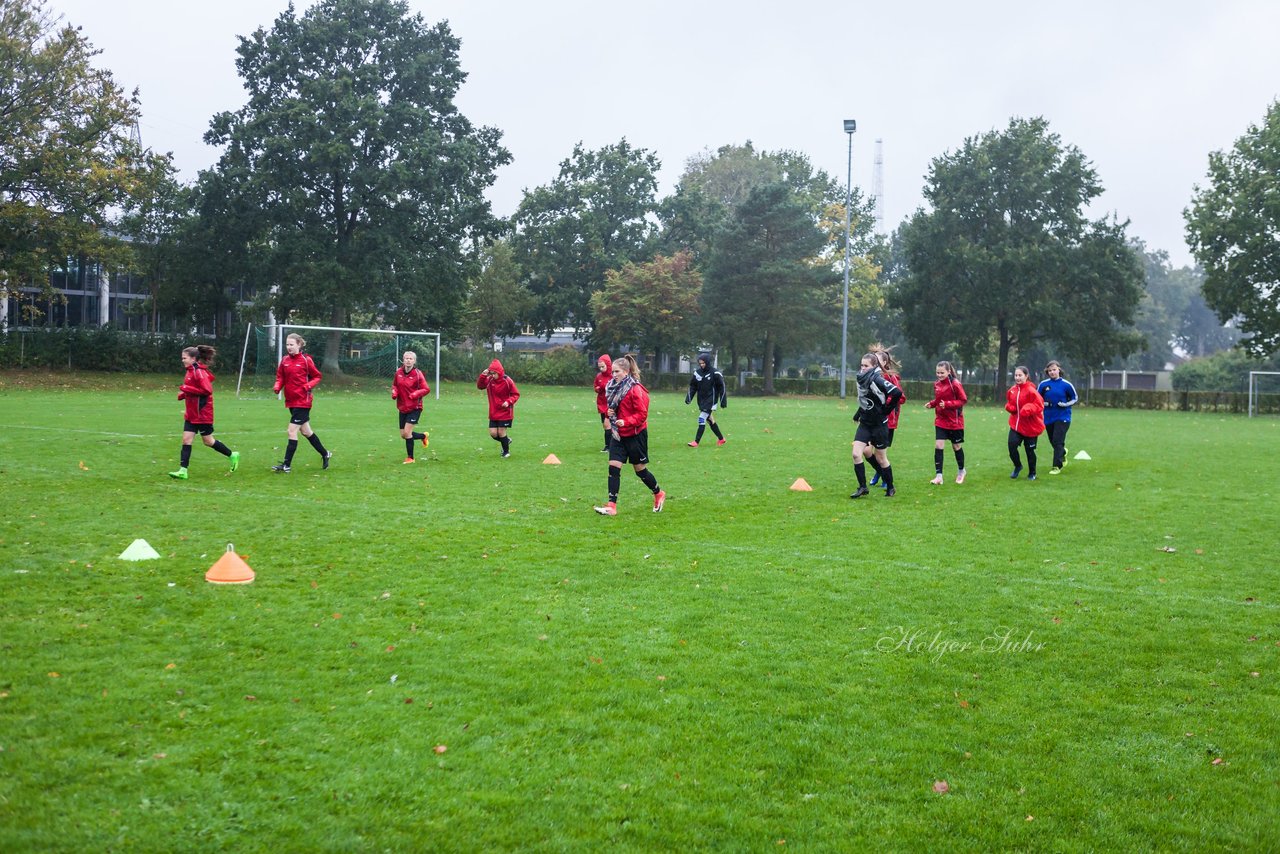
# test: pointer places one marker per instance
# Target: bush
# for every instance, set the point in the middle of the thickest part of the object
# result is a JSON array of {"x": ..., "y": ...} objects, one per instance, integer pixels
[{"x": 96, "y": 349}]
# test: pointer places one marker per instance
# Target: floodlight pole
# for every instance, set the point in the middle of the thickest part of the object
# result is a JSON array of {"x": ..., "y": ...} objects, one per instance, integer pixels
[{"x": 850, "y": 125}]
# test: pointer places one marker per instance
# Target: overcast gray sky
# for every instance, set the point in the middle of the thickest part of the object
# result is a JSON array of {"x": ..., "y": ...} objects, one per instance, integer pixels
[{"x": 1145, "y": 89}]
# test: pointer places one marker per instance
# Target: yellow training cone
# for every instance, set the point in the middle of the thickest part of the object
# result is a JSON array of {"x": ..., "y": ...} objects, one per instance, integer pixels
[
  {"x": 801, "y": 485},
  {"x": 229, "y": 569},
  {"x": 551, "y": 460}
]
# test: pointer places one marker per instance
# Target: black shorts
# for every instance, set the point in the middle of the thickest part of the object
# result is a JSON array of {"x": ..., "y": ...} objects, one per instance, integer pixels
[
  {"x": 955, "y": 437},
  {"x": 630, "y": 449},
  {"x": 493, "y": 422},
  {"x": 877, "y": 437},
  {"x": 410, "y": 417},
  {"x": 299, "y": 414},
  {"x": 202, "y": 429}
]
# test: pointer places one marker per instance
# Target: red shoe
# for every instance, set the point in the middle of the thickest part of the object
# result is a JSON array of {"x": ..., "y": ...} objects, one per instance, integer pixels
[
  {"x": 693, "y": 444},
  {"x": 408, "y": 461},
  {"x": 658, "y": 500},
  {"x": 610, "y": 509},
  {"x": 721, "y": 442}
]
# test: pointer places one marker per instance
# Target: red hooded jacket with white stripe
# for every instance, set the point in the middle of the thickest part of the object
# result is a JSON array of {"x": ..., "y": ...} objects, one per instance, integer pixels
[{"x": 1026, "y": 408}]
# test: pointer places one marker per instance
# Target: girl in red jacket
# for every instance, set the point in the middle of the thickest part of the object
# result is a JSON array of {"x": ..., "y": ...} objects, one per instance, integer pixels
[
  {"x": 503, "y": 395},
  {"x": 1026, "y": 420},
  {"x": 408, "y": 388},
  {"x": 628, "y": 411},
  {"x": 948, "y": 420},
  {"x": 889, "y": 367},
  {"x": 297, "y": 376},
  {"x": 604, "y": 371},
  {"x": 197, "y": 391}
]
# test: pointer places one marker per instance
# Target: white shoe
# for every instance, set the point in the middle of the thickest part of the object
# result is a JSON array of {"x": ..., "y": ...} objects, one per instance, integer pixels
[
  {"x": 960, "y": 476},
  {"x": 937, "y": 479}
]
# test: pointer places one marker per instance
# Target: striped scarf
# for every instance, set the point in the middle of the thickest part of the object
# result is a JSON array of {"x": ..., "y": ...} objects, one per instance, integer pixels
[{"x": 613, "y": 394}]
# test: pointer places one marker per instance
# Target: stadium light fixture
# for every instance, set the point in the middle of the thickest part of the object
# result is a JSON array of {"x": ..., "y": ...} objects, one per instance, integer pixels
[{"x": 850, "y": 125}]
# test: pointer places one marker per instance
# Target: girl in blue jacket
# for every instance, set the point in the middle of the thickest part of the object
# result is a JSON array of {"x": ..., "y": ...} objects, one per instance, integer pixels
[{"x": 1059, "y": 396}]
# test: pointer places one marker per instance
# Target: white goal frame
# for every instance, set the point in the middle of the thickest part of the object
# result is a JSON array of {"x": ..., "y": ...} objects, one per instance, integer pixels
[
  {"x": 281, "y": 334},
  {"x": 1252, "y": 386}
]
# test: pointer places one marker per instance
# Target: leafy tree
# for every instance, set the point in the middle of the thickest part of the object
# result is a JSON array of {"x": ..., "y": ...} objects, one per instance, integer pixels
[
  {"x": 649, "y": 305},
  {"x": 594, "y": 217},
  {"x": 1006, "y": 257},
  {"x": 68, "y": 163},
  {"x": 363, "y": 183},
  {"x": 1233, "y": 228},
  {"x": 498, "y": 303},
  {"x": 761, "y": 282}
]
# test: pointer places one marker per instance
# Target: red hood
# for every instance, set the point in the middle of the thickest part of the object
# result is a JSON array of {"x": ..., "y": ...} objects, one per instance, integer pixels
[{"x": 496, "y": 367}]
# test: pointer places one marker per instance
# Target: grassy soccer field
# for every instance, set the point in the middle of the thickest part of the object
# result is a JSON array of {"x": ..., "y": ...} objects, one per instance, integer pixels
[{"x": 460, "y": 655}]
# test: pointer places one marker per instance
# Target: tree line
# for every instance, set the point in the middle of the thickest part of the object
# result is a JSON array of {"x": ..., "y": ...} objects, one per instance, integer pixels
[{"x": 351, "y": 192}]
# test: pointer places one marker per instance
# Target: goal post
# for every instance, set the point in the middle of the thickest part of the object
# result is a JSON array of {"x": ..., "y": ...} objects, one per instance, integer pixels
[
  {"x": 1256, "y": 395},
  {"x": 365, "y": 353}
]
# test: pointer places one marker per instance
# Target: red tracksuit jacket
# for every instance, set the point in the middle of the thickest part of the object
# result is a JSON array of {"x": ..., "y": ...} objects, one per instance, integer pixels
[
  {"x": 948, "y": 402},
  {"x": 501, "y": 389},
  {"x": 197, "y": 391},
  {"x": 409, "y": 389},
  {"x": 297, "y": 375},
  {"x": 892, "y": 420},
  {"x": 1026, "y": 408},
  {"x": 633, "y": 409}
]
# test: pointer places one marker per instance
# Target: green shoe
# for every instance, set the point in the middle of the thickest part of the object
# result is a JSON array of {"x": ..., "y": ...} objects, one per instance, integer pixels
[
  {"x": 235, "y": 460},
  {"x": 180, "y": 474}
]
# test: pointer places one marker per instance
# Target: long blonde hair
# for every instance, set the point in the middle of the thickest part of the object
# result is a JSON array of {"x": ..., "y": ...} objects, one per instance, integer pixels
[{"x": 633, "y": 366}]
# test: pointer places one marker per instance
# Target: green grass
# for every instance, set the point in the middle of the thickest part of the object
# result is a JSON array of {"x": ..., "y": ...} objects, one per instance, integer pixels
[{"x": 752, "y": 665}]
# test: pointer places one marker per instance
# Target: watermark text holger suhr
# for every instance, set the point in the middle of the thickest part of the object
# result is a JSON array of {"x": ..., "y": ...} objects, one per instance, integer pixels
[{"x": 1002, "y": 641}]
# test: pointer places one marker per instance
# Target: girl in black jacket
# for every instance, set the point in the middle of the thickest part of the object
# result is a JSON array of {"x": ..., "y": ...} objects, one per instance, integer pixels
[{"x": 707, "y": 384}]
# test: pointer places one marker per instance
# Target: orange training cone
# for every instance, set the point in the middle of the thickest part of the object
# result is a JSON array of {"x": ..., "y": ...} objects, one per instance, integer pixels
[
  {"x": 229, "y": 569},
  {"x": 551, "y": 460},
  {"x": 801, "y": 485}
]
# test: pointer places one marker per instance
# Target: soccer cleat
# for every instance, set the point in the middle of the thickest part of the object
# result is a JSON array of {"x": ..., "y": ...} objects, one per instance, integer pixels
[
  {"x": 408, "y": 461},
  {"x": 1055, "y": 470},
  {"x": 1031, "y": 476},
  {"x": 960, "y": 476},
  {"x": 937, "y": 479},
  {"x": 1017, "y": 471},
  {"x": 875, "y": 479},
  {"x": 235, "y": 460},
  {"x": 721, "y": 442},
  {"x": 180, "y": 474},
  {"x": 693, "y": 444},
  {"x": 506, "y": 454},
  {"x": 890, "y": 492},
  {"x": 426, "y": 439},
  {"x": 610, "y": 509},
  {"x": 283, "y": 468},
  {"x": 328, "y": 455},
  {"x": 659, "y": 498},
  {"x": 860, "y": 492}
]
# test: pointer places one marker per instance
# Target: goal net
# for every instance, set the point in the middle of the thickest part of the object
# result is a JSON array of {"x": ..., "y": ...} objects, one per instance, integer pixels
[
  {"x": 1264, "y": 393},
  {"x": 363, "y": 356}
]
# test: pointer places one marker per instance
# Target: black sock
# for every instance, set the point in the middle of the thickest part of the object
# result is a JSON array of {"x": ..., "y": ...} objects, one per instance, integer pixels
[
  {"x": 615, "y": 481},
  {"x": 702, "y": 428},
  {"x": 289, "y": 451},
  {"x": 314, "y": 439},
  {"x": 860, "y": 470},
  {"x": 408, "y": 448},
  {"x": 715, "y": 428},
  {"x": 186, "y": 456},
  {"x": 875, "y": 464},
  {"x": 960, "y": 458},
  {"x": 506, "y": 444},
  {"x": 937, "y": 460},
  {"x": 887, "y": 474},
  {"x": 221, "y": 448},
  {"x": 647, "y": 478},
  {"x": 419, "y": 436}
]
